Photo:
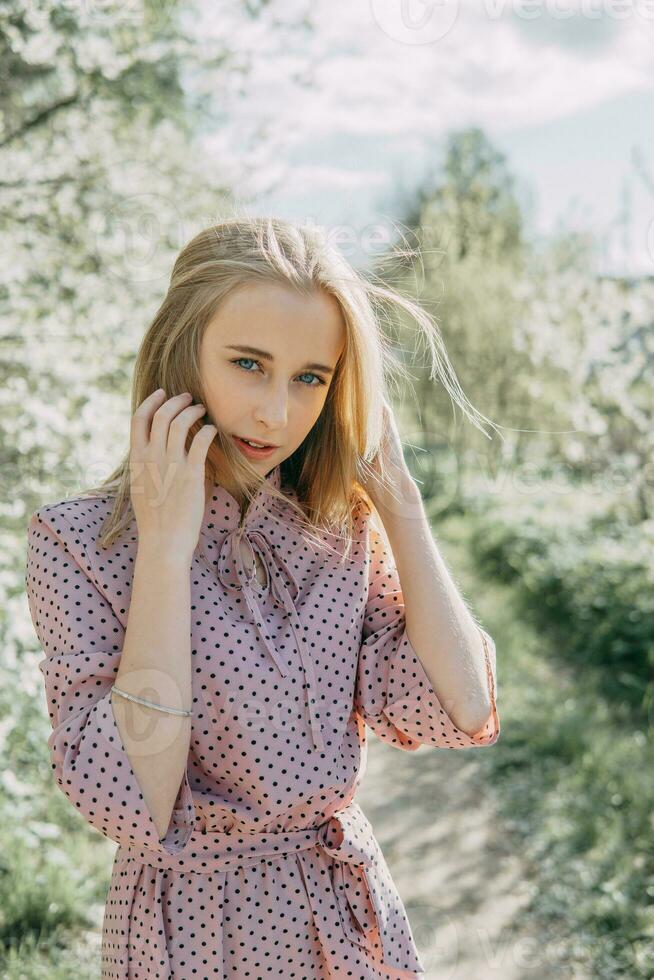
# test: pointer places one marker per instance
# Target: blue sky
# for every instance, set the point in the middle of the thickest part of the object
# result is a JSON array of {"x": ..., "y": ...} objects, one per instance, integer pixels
[{"x": 358, "y": 109}]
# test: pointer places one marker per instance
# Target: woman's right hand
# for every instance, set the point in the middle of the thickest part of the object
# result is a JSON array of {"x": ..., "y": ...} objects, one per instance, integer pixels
[{"x": 167, "y": 484}]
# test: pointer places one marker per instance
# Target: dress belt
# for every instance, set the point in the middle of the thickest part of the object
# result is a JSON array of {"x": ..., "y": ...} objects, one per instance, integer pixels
[{"x": 365, "y": 894}]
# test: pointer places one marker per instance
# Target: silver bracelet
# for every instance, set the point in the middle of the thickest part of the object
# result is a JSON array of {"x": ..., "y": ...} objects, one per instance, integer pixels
[{"x": 151, "y": 704}]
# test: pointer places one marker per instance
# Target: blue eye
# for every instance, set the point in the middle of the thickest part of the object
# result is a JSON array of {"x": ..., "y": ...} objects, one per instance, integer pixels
[
  {"x": 237, "y": 363},
  {"x": 311, "y": 375},
  {"x": 238, "y": 359}
]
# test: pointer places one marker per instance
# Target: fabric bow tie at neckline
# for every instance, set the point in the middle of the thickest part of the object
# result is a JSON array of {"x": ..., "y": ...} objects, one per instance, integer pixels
[{"x": 230, "y": 569}]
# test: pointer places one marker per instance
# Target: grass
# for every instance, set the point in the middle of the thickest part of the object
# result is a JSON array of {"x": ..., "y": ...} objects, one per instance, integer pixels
[
  {"x": 57, "y": 956},
  {"x": 575, "y": 787},
  {"x": 574, "y": 777},
  {"x": 54, "y": 870}
]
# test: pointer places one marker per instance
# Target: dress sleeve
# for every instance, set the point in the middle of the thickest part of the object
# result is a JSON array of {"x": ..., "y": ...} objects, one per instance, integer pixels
[
  {"x": 393, "y": 693},
  {"x": 82, "y": 639}
]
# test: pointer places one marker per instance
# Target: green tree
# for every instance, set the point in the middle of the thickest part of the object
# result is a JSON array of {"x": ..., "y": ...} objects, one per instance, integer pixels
[
  {"x": 103, "y": 179},
  {"x": 468, "y": 271}
]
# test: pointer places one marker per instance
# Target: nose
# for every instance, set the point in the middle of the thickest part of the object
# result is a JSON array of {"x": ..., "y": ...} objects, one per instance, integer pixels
[{"x": 272, "y": 411}]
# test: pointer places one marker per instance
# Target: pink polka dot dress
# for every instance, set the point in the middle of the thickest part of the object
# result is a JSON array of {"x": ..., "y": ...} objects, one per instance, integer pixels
[{"x": 269, "y": 867}]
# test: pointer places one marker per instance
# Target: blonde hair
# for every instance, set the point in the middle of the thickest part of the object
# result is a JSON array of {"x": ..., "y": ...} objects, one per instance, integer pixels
[{"x": 325, "y": 472}]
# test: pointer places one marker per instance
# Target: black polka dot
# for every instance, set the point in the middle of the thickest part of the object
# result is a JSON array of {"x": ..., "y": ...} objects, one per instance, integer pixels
[{"x": 268, "y": 868}]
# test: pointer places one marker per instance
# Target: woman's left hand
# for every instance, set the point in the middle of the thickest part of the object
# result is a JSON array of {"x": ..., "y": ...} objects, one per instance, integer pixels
[{"x": 395, "y": 469}]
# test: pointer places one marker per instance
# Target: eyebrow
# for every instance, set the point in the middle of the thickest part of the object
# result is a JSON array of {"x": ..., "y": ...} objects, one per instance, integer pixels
[{"x": 266, "y": 356}]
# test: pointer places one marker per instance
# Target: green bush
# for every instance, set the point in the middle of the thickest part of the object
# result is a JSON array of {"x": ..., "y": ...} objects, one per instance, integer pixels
[
  {"x": 590, "y": 588},
  {"x": 572, "y": 767}
]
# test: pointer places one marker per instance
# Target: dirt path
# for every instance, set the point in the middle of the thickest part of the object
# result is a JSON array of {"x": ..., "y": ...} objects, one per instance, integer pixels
[{"x": 463, "y": 888}]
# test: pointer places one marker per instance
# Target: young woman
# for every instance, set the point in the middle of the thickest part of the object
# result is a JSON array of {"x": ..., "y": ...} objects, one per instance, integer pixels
[{"x": 221, "y": 622}]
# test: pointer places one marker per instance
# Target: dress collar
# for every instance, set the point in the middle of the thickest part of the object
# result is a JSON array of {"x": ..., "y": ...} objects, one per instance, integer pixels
[
  {"x": 222, "y": 511},
  {"x": 220, "y": 551}
]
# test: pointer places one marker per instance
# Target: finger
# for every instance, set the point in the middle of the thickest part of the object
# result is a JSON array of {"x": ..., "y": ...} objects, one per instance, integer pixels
[
  {"x": 161, "y": 423},
  {"x": 178, "y": 430},
  {"x": 202, "y": 440},
  {"x": 141, "y": 421}
]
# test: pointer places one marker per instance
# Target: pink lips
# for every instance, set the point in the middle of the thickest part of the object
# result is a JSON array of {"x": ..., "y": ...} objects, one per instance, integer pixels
[{"x": 252, "y": 451}]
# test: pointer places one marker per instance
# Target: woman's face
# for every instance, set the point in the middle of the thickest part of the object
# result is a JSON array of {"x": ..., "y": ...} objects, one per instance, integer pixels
[{"x": 274, "y": 392}]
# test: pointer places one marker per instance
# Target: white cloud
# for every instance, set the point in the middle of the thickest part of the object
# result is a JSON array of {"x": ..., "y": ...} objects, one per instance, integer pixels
[
  {"x": 351, "y": 107},
  {"x": 498, "y": 71}
]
